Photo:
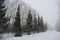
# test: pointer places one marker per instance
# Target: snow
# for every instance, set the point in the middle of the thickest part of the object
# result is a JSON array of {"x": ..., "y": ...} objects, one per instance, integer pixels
[
  {"x": 51, "y": 35},
  {"x": 8, "y": 35}
]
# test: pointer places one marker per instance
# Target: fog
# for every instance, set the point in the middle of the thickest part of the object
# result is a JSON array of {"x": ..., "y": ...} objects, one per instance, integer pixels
[
  {"x": 46, "y": 8},
  {"x": 58, "y": 12}
]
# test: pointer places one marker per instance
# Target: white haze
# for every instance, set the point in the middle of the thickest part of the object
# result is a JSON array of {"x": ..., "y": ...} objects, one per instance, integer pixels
[
  {"x": 58, "y": 11},
  {"x": 46, "y": 8}
]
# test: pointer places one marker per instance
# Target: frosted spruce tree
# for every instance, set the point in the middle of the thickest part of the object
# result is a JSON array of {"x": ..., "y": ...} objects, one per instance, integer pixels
[
  {"x": 42, "y": 27},
  {"x": 39, "y": 23},
  {"x": 35, "y": 26},
  {"x": 29, "y": 22},
  {"x": 17, "y": 23},
  {"x": 3, "y": 20}
]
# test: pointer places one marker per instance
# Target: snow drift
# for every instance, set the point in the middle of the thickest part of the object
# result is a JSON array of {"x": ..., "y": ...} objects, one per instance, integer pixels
[{"x": 38, "y": 36}]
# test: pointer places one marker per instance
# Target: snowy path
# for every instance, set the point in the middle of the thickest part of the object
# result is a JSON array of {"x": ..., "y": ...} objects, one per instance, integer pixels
[{"x": 38, "y": 36}]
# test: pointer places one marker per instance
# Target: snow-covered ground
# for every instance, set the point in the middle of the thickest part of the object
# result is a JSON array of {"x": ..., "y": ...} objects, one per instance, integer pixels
[{"x": 51, "y": 35}]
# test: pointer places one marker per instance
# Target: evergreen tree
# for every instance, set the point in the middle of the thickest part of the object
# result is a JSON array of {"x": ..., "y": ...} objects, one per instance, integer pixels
[
  {"x": 45, "y": 25},
  {"x": 42, "y": 25},
  {"x": 35, "y": 28},
  {"x": 17, "y": 23},
  {"x": 3, "y": 20},
  {"x": 39, "y": 23},
  {"x": 29, "y": 22}
]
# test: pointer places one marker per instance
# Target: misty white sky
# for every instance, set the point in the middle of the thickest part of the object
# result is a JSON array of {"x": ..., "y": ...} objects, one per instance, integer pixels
[{"x": 46, "y": 8}]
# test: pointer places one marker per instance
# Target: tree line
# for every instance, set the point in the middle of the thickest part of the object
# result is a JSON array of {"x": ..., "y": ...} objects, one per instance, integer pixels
[{"x": 34, "y": 25}]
